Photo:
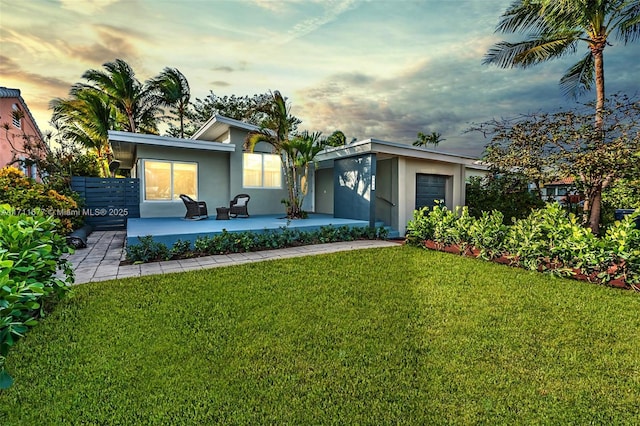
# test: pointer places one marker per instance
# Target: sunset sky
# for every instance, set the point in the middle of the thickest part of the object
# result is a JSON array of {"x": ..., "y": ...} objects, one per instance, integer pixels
[{"x": 373, "y": 69}]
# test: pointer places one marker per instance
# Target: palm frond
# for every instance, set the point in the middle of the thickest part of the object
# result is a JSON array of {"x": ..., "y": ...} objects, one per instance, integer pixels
[
  {"x": 579, "y": 78},
  {"x": 628, "y": 25},
  {"x": 532, "y": 51},
  {"x": 522, "y": 16}
]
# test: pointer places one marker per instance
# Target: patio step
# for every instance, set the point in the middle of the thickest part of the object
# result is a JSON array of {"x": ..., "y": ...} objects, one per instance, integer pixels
[{"x": 392, "y": 234}]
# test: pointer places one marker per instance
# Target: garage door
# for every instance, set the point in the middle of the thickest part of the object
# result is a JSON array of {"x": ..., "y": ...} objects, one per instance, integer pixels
[{"x": 429, "y": 188}]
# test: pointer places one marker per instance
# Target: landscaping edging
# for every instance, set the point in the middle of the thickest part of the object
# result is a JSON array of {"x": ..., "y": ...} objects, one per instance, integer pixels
[{"x": 544, "y": 266}]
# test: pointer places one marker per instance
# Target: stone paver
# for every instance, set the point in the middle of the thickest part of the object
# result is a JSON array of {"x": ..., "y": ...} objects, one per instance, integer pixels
[{"x": 100, "y": 261}]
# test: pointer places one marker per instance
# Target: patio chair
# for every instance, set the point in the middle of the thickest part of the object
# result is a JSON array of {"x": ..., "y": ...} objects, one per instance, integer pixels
[
  {"x": 196, "y": 210},
  {"x": 238, "y": 206}
]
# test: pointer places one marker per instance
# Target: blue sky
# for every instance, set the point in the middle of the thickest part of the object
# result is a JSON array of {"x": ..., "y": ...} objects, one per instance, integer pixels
[{"x": 374, "y": 69}]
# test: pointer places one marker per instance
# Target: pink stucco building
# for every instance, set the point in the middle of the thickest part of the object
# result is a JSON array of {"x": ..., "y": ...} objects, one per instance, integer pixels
[{"x": 15, "y": 129}]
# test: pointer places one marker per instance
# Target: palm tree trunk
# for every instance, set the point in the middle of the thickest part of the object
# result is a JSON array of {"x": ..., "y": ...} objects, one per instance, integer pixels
[
  {"x": 595, "y": 197},
  {"x": 596, "y": 51}
]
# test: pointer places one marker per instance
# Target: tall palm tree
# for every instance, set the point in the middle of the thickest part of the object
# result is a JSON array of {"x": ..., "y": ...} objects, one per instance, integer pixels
[
  {"x": 172, "y": 90},
  {"x": 85, "y": 119},
  {"x": 555, "y": 27},
  {"x": 275, "y": 130},
  {"x": 132, "y": 98}
]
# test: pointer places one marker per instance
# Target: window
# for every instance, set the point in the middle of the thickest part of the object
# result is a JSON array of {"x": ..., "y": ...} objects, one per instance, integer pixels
[
  {"x": 166, "y": 180},
  {"x": 16, "y": 116},
  {"x": 261, "y": 170}
]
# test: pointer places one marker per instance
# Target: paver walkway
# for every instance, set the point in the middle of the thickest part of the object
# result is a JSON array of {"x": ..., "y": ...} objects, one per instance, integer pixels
[{"x": 100, "y": 261}]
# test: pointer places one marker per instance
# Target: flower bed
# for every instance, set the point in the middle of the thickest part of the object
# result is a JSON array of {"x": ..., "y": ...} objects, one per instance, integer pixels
[{"x": 549, "y": 240}]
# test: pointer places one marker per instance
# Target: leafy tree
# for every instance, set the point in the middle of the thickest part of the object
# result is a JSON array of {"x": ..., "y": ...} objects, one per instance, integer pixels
[
  {"x": 337, "y": 138},
  {"x": 504, "y": 191},
  {"x": 131, "y": 98},
  {"x": 545, "y": 146},
  {"x": 554, "y": 28},
  {"x": 172, "y": 90},
  {"x": 296, "y": 152},
  {"x": 432, "y": 139},
  {"x": 243, "y": 108}
]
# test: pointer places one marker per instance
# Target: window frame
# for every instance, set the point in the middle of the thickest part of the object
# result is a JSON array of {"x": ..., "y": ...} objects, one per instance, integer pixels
[
  {"x": 171, "y": 177},
  {"x": 262, "y": 171},
  {"x": 16, "y": 120}
]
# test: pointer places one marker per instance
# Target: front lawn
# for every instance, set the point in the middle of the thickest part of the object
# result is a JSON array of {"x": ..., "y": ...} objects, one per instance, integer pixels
[{"x": 381, "y": 336}]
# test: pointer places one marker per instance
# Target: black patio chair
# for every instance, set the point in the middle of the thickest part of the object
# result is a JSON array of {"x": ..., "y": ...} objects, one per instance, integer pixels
[
  {"x": 196, "y": 210},
  {"x": 238, "y": 206}
]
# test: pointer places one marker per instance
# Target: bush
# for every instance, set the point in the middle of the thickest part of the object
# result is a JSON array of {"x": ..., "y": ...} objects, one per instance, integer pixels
[
  {"x": 30, "y": 255},
  {"x": 237, "y": 242},
  {"x": 548, "y": 239},
  {"x": 25, "y": 195},
  {"x": 507, "y": 193}
]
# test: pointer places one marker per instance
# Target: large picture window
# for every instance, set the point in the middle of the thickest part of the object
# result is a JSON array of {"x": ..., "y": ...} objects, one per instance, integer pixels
[
  {"x": 166, "y": 180},
  {"x": 261, "y": 170}
]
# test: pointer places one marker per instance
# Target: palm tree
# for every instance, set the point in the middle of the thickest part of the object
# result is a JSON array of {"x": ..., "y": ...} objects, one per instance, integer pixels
[
  {"x": 85, "y": 119},
  {"x": 172, "y": 90},
  {"x": 423, "y": 140},
  {"x": 132, "y": 98},
  {"x": 300, "y": 152},
  {"x": 555, "y": 27},
  {"x": 275, "y": 130}
]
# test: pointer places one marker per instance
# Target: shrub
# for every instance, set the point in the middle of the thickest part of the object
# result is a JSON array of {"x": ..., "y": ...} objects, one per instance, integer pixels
[
  {"x": 25, "y": 195},
  {"x": 30, "y": 255},
  {"x": 505, "y": 192},
  {"x": 147, "y": 251},
  {"x": 228, "y": 242}
]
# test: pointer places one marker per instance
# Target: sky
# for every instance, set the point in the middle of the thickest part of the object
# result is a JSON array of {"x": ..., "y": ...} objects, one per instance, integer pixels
[{"x": 382, "y": 69}]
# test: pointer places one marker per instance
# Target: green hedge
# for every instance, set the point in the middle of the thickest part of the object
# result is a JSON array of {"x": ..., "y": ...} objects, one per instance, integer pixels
[
  {"x": 548, "y": 239},
  {"x": 236, "y": 242},
  {"x": 31, "y": 252}
]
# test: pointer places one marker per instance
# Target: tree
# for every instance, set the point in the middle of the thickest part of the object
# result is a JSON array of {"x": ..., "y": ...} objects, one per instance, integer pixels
[
  {"x": 85, "y": 119},
  {"x": 244, "y": 108},
  {"x": 337, "y": 138},
  {"x": 133, "y": 99},
  {"x": 172, "y": 90},
  {"x": 545, "y": 146},
  {"x": 555, "y": 27},
  {"x": 300, "y": 152},
  {"x": 423, "y": 140},
  {"x": 276, "y": 130}
]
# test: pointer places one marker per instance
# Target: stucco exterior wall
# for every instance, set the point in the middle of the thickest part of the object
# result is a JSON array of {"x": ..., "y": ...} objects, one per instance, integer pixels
[
  {"x": 407, "y": 171},
  {"x": 324, "y": 190},
  {"x": 14, "y": 135},
  {"x": 263, "y": 200},
  {"x": 213, "y": 179}
]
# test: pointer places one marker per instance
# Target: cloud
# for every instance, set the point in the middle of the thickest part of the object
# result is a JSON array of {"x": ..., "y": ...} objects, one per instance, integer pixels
[
  {"x": 220, "y": 83},
  {"x": 332, "y": 11},
  {"x": 87, "y": 7},
  {"x": 11, "y": 69}
]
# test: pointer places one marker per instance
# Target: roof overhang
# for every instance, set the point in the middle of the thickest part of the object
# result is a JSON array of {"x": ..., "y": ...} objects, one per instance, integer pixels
[
  {"x": 394, "y": 149},
  {"x": 124, "y": 145},
  {"x": 217, "y": 126}
]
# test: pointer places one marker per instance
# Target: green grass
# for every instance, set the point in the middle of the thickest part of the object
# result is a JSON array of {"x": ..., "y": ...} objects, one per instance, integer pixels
[{"x": 385, "y": 336}]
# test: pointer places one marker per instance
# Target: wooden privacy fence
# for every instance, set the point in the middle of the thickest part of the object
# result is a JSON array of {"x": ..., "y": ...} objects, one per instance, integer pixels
[{"x": 108, "y": 202}]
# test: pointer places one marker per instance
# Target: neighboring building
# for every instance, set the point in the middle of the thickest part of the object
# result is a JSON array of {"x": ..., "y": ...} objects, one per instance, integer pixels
[
  {"x": 14, "y": 128},
  {"x": 369, "y": 180},
  {"x": 563, "y": 191}
]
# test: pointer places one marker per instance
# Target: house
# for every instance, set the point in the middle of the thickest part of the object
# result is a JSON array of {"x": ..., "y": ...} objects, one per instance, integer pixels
[
  {"x": 17, "y": 128},
  {"x": 373, "y": 180}
]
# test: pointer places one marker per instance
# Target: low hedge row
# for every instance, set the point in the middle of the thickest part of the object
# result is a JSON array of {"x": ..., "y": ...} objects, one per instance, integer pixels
[
  {"x": 236, "y": 242},
  {"x": 31, "y": 250},
  {"x": 549, "y": 239}
]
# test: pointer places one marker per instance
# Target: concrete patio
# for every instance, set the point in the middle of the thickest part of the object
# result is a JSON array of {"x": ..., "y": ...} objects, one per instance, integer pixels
[{"x": 168, "y": 230}]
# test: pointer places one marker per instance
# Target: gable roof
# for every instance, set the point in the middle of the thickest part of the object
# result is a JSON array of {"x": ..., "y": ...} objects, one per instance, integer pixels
[
  {"x": 8, "y": 93},
  {"x": 218, "y": 125}
]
